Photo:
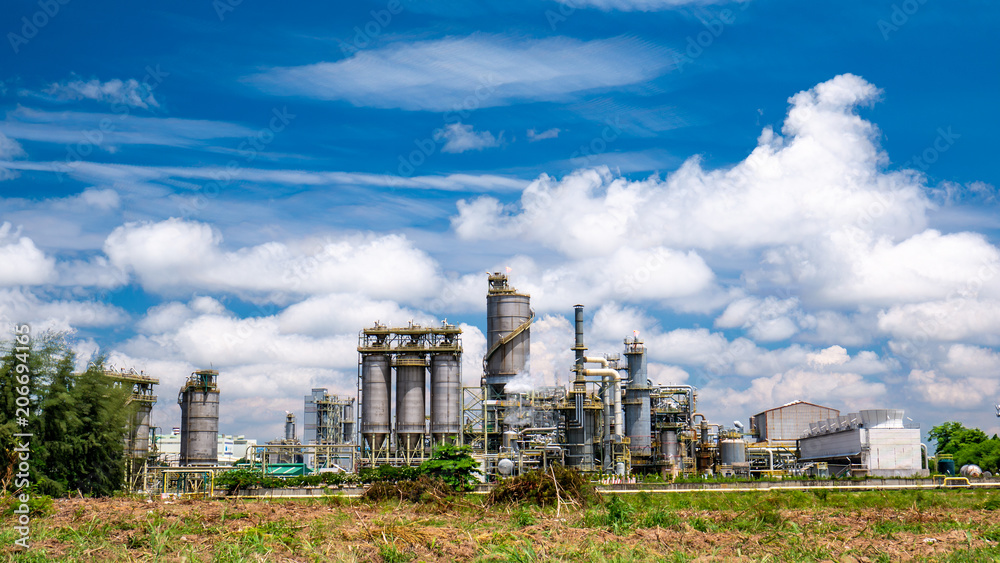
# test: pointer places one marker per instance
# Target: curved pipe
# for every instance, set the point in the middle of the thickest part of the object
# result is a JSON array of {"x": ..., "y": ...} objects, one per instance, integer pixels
[
  {"x": 616, "y": 378},
  {"x": 924, "y": 463},
  {"x": 596, "y": 360}
]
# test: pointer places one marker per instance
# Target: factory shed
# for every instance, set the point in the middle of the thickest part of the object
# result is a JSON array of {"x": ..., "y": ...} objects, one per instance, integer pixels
[
  {"x": 871, "y": 442},
  {"x": 787, "y": 422}
]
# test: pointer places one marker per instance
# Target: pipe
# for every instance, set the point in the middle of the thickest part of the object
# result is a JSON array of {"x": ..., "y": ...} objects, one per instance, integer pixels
[
  {"x": 593, "y": 360},
  {"x": 924, "y": 463},
  {"x": 616, "y": 378}
]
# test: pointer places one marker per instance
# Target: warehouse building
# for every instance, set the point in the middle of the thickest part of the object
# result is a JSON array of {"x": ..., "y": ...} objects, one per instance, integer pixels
[
  {"x": 874, "y": 442},
  {"x": 785, "y": 424}
]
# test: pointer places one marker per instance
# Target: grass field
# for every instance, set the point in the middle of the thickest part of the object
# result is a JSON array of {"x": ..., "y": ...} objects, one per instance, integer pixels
[{"x": 821, "y": 525}]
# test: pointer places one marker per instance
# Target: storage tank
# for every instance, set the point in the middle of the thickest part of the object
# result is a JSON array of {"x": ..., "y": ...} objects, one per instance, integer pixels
[
  {"x": 376, "y": 393},
  {"x": 671, "y": 449},
  {"x": 199, "y": 401},
  {"x": 508, "y": 321},
  {"x": 638, "y": 420},
  {"x": 732, "y": 450},
  {"x": 946, "y": 466},
  {"x": 446, "y": 389},
  {"x": 411, "y": 381},
  {"x": 140, "y": 441}
]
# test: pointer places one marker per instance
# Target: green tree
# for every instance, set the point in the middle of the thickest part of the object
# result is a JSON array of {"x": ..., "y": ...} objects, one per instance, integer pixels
[
  {"x": 78, "y": 421},
  {"x": 453, "y": 465},
  {"x": 966, "y": 445}
]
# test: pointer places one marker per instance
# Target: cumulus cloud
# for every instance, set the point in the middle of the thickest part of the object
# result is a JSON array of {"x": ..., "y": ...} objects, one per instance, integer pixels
[
  {"x": 964, "y": 393},
  {"x": 460, "y": 138},
  {"x": 841, "y": 390},
  {"x": 23, "y": 263},
  {"x": 129, "y": 92},
  {"x": 832, "y": 356},
  {"x": 175, "y": 254},
  {"x": 766, "y": 320},
  {"x": 45, "y": 313},
  {"x": 958, "y": 319}
]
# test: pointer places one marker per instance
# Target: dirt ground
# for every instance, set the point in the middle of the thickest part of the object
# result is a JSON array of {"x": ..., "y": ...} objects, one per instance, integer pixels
[{"x": 342, "y": 530}]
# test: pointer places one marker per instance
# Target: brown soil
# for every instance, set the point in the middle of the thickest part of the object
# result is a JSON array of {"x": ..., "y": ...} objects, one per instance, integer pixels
[{"x": 355, "y": 531}]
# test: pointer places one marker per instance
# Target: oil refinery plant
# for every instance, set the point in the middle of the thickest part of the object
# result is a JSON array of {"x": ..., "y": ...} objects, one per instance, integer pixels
[{"x": 610, "y": 420}]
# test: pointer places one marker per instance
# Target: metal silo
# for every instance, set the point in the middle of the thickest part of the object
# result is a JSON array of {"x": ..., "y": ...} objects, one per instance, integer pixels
[
  {"x": 376, "y": 389},
  {"x": 446, "y": 389},
  {"x": 508, "y": 321},
  {"x": 732, "y": 450},
  {"x": 140, "y": 440},
  {"x": 199, "y": 401},
  {"x": 638, "y": 418},
  {"x": 411, "y": 381}
]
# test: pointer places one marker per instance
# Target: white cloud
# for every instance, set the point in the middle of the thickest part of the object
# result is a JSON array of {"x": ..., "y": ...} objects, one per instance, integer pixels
[
  {"x": 964, "y": 393},
  {"x": 766, "y": 320},
  {"x": 832, "y": 356},
  {"x": 547, "y": 134},
  {"x": 466, "y": 73},
  {"x": 460, "y": 138},
  {"x": 68, "y": 127},
  {"x": 43, "y": 312},
  {"x": 823, "y": 176},
  {"x": 841, "y": 390},
  {"x": 951, "y": 320},
  {"x": 23, "y": 263},
  {"x": 116, "y": 91},
  {"x": 174, "y": 254},
  {"x": 9, "y": 149}
]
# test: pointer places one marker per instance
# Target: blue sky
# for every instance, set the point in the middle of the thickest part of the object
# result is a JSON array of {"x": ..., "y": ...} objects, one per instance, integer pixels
[{"x": 788, "y": 201}]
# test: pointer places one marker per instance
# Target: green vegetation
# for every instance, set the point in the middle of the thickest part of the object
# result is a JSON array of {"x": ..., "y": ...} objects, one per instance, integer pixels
[
  {"x": 77, "y": 420},
  {"x": 454, "y": 465},
  {"x": 967, "y": 445},
  {"x": 924, "y": 525}
]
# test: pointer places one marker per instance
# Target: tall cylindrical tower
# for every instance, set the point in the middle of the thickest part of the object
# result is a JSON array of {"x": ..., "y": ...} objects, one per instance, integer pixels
[
  {"x": 199, "y": 401},
  {"x": 446, "y": 389},
  {"x": 508, "y": 322},
  {"x": 638, "y": 418},
  {"x": 411, "y": 381},
  {"x": 376, "y": 389}
]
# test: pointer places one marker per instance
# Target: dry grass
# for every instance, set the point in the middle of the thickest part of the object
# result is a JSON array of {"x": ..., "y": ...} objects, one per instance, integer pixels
[{"x": 937, "y": 526}]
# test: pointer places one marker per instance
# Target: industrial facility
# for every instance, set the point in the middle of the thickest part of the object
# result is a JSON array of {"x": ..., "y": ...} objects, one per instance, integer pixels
[{"x": 610, "y": 420}]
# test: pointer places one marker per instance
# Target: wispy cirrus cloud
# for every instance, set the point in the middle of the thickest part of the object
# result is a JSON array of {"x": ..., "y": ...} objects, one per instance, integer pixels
[
  {"x": 109, "y": 130},
  {"x": 129, "y": 92},
  {"x": 442, "y": 74},
  {"x": 635, "y": 5}
]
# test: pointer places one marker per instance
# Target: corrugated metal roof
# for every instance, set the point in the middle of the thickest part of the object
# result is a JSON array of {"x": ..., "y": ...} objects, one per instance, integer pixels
[{"x": 793, "y": 403}]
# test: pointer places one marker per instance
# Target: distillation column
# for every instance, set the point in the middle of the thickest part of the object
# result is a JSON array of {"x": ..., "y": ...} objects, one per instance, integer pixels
[
  {"x": 199, "y": 401},
  {"x": 638, "y": 418},
  {"x": 508, "y": 322}
]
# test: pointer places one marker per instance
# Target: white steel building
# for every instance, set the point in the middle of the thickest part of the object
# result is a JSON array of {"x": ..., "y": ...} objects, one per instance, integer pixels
[{"x": 871, "y": 442}]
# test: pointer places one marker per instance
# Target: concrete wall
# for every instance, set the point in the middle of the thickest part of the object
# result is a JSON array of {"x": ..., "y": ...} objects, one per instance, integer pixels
[{"x": 894, "y": 452}]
